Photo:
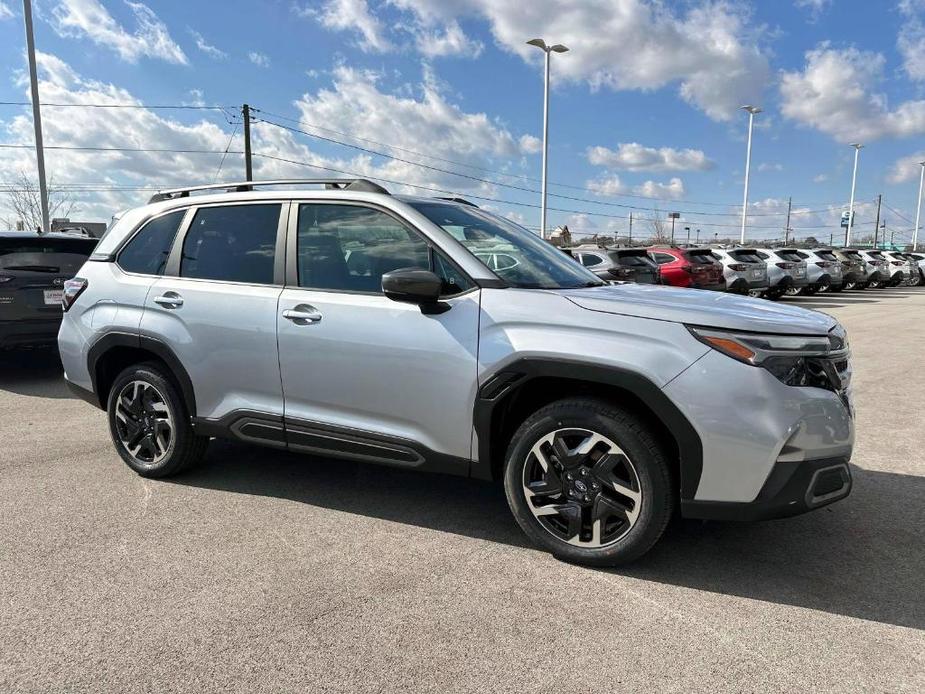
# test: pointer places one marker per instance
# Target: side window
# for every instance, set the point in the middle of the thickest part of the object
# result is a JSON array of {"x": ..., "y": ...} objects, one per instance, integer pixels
[
  {"x": 589, "y": 259},
  {"x": 662, "y": 258},
  {"x": 349, "y": 248},
  {"x": 234, "y": 243},
  {"x": 146, "y": 253}
]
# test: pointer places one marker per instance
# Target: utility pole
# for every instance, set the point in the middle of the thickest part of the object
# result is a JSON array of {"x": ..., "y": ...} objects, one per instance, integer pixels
[
  {"x": 787, "y": 225},
  {"x": 831, "y": 238},
  {"x": 673, "y": 216},
  {"x": 631, "y": 229},
  {"x": 688, "y": 230},
  {"x": 698, "y": 237},
  {"x": 877, "y": 223},
  {"x": 36, "y": 114},
  {"x": 248, "y": 168}
]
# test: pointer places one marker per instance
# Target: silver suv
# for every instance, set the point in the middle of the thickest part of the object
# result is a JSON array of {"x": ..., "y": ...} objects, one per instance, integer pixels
[{"x": 350, "y": 323}]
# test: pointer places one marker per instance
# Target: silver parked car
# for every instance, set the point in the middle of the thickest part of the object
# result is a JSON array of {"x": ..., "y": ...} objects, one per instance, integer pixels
[
  {"x": 786, "y": 270},
  {"x": 232, "y": 311},
  {"x": 744, "y": 270},
  {"x": 854, "y": 268},
  {"x": 878, "y": 268},
  {"x": 901, "y": 268},
  {"x": 919, "y": 260},
  {"x": 823, "y": 270}
]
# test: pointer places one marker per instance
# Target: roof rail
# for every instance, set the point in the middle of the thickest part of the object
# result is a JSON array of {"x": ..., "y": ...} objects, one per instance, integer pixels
[
  {"x": 461, "y": 201},
  {"x": 359, "y": 184}
]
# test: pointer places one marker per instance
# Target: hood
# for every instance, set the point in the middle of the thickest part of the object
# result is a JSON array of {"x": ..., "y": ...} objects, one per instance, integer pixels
[{"x": 701, "y": 307}]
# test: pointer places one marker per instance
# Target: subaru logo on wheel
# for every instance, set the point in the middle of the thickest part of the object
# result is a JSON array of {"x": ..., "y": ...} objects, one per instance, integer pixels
[{"x": 581, "y": 486}]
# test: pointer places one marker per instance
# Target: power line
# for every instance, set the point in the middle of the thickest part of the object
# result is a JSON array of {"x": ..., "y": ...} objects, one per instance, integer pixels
[
  {"x": 478, "y": 179},
  {"x": 510, "y": 175},
  {"x": 190, "y": 107},
  {"x": 124, "y": 149}
]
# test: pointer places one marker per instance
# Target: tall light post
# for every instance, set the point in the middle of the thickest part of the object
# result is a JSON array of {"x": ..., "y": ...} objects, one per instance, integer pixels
[
  {"x": 918, "y": 209},
  {"x": 36, "y": 114},
  {"x": 548, "y": 50},
  {"x": 752, "y": 110},
  {"x": 854, "y": 177}
]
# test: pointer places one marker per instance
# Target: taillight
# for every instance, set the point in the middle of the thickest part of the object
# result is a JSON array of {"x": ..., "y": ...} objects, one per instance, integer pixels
[
  {"x": 72, "y": 289},
  {"x": 823, "y": 263},
  {"x": 785, "y": 266},
  {"x": 687, "y": 268},
  {"x": 738, "y": 267}
]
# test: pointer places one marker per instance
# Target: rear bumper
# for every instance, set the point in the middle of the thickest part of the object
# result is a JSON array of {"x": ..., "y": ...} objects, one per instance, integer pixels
[
  {"x": 792, "y": 488},
  {"x": 718, "y": 287},
  {"x": 16, "y": 333}
]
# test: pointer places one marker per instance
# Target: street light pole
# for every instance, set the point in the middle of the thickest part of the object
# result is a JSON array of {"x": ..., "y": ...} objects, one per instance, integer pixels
[
  {"x": 752, "y": 110},
  {"x": 918, "y": 209},
  {"x": 854, "y": 177},
  {"x": 36, "y": 113},
  {"x": 548, "y": 50}
]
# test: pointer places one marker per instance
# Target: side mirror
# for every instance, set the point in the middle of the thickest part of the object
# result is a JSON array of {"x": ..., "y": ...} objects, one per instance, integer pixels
[{"x": 415, "y": 286}]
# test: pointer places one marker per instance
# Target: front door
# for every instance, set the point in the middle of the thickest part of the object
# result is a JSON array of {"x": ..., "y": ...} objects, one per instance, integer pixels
[
  {"x": 216, "y": 308},
  {"x": 364, "y": 376}
]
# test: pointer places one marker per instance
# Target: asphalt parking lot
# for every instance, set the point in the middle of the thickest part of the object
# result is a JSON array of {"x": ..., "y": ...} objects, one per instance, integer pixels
[{"x": 261, "y": 571}]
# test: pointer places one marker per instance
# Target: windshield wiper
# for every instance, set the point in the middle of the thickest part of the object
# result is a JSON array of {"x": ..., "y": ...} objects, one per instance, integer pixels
[{"x": 34, "y": 268}]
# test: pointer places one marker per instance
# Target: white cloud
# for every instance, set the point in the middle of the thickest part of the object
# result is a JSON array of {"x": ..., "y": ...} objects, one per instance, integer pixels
[
  {"x": 530, "y": 144},
  {"x": 768, "y": 166},
  {"x": 708, "y": 50},
  {"x": 259, "y": 59},
  {"x": 911, "y": 39},
  {"x": 195, "y": 98},
  {"x": 820, "y": 178},
  {"x": 446, "y": 41},
  {"x": 815, "y": 8},
  {"x": 206, "y": 47},
  {"x": 674, "y": 189},
  {"x": 5, "y": 12},
  {"x": 89, "y": 19},
  {"x": 836, "y": 94},
  {"x": 632, "y": 156},
  {"x": 349, "y": 15},
  {"x": 609, "y": 185},
  {"x": 906, "y": 168}
]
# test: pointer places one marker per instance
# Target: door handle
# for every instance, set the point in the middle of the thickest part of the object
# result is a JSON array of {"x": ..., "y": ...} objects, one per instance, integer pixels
[
  {"x": 302, "y": 314},
  {"x": 169, "y": 300}
]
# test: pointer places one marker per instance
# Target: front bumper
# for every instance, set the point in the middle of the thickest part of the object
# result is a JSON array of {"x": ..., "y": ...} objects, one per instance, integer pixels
[{"x": 792, "y": 488}]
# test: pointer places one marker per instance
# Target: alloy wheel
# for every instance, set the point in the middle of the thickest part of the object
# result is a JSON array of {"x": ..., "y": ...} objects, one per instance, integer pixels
[
  {"x": 582, "y": 488},
  {"x": 144, "y": 423}
]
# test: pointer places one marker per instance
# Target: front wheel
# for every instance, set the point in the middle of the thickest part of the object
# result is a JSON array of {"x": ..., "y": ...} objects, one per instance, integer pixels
[
  {"x": 587, "y": 481},
  {"x": 149, "y": 424}
]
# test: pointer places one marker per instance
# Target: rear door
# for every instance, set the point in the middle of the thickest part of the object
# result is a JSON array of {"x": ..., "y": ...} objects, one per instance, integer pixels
[
  {"x": 362, "y": 373},
  {"x": 32, "y": 273},
  {"x": 216, "y": 306}
]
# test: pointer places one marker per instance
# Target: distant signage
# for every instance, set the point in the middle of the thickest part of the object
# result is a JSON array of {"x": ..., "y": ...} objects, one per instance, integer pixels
[{"x": 844, "y": 219}]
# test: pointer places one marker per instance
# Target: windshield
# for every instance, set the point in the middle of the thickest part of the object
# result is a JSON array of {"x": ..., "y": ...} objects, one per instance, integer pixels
[{"x": 519, "y": 257}]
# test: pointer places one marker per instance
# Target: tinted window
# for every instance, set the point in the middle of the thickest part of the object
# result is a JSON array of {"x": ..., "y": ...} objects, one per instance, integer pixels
[
  {"x": 662, "y": 258},
  {"x": 705, "y": 257},
  {"x": 146, "y": 253},
  {"x": 349, "y": 248},
  {"x": 44, "y": 254},
  {"x": 746, "y": 256},
  {"x": 588, "y": 259},
  {"x": 763, "y": 255},
  {"x": 826, "y": 255},
  {"x": 236, "y": 243},
  {"x": 631, "y": 259},
  {"x": 539, "y": 265},
  {"x": 791, "y": 256}
]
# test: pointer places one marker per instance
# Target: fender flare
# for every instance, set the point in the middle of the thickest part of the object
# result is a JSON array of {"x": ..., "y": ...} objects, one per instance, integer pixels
[
  {"x": 508, "y": 378},
  {"x": 150, "y": 344}
]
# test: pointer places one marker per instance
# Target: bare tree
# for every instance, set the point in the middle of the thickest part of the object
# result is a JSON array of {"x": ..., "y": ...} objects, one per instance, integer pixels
[
  {"x": 25, "y": 203},
  {"x": 657, "y": 224}
]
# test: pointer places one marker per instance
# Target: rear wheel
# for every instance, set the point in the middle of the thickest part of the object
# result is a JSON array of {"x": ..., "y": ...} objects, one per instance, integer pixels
[
  {"x": 149, "y": 423},
  {"x": 794, "y": 291},
  {"x": 587, "y": 481}
]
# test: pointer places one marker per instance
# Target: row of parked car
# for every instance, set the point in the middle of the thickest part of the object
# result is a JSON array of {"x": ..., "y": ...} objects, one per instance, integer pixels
[{"x": 767, "y": 272}]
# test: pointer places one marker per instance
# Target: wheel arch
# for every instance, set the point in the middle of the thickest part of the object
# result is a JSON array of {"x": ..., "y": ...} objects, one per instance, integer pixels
[
  {"x": 115, "y": 351},
  {"x": 515, "y": 391}
]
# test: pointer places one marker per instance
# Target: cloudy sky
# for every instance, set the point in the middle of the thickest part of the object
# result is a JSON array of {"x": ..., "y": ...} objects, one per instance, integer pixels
[{"x": 444, "y": 96}]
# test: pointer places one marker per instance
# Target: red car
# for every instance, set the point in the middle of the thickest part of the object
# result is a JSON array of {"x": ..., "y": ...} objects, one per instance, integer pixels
[{"x": 689, "y": 267}]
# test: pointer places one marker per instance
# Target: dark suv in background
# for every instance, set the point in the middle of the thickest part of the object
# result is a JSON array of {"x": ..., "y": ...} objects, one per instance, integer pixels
[
  {"x": 33, "y": 269},
  {"x": 620, "y": 264}
]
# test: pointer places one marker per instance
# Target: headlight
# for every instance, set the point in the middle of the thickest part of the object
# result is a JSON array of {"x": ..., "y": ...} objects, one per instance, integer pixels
[{"x": 819, "y": 361}]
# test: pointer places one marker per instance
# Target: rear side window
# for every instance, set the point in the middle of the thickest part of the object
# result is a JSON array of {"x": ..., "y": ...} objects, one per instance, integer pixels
[
  {"x": 146, "y": 253},
  {"x": 705, "y": 257},
  {"x": 662, "y": 258},
  {"x": 589, "y": 259},
  {"x": 234, "y": 243},
  {"x": 43, "y": 254}
]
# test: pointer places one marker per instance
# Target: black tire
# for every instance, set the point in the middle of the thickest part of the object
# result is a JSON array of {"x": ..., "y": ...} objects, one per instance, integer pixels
[
  {"x": 642, "y": 462},
  {"x": 774, "y": 293},
  {"x": 147, "y": 413},
  {"x": 835, "y": 288}
]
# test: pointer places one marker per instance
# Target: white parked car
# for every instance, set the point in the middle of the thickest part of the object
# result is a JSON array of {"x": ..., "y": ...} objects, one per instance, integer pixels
[
  {"x": 786, "y": 270},
  {"x": 745, "y": 272}
]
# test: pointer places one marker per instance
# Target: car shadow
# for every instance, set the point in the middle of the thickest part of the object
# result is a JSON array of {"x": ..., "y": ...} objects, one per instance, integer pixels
[
  {"x": 33, "y": 372},
  {"x": 863, "y": 557}
]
